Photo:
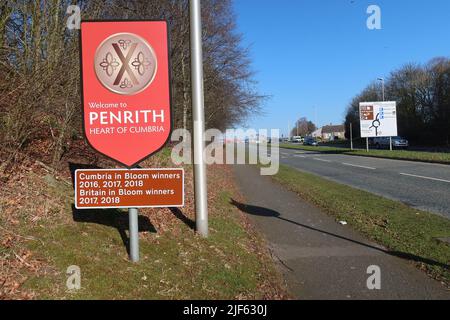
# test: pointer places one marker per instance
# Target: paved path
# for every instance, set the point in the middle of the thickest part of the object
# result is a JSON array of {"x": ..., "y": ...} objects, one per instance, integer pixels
[
  {"x": 420, "y": 185},
  {"x": 320, "y": 258}
]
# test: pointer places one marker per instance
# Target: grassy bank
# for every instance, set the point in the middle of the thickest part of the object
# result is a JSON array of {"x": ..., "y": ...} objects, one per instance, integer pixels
[
  {"x": 42, "y": 235},
  {"x": 406, "y": 232},
  {"x": 311, "y": 148},
  {"x": 432, "y": 157}
]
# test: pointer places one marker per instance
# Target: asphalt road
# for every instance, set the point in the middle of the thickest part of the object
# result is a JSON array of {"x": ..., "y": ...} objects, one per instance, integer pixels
[
  {"x": 321, "y": 259},
  {"x": 420, "y": 185}
]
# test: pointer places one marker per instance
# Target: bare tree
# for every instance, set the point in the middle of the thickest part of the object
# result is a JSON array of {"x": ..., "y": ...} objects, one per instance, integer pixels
[
  {"x": 40, "y": 60},
  {"x": 303, "y": 127},
  {"x": 423, "y": 101}
]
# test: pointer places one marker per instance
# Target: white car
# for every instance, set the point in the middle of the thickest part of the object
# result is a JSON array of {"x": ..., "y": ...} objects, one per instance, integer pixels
[{"x": 297, "y": 139}]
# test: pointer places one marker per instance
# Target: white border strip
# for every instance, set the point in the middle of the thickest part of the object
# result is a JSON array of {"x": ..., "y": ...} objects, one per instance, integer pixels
[
  {"x": 422, "y": 177},
  {"x": 357, "y": 166},
  {"x": 323, "y": 160}
]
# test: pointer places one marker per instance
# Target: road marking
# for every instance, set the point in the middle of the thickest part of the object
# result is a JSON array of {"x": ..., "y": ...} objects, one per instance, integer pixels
[
  {"x": 355, "y": 165},
  {"x": 323, "y": 160},
  {"x": 422, "y": 177},
  {"x": 299, "y": 156}
]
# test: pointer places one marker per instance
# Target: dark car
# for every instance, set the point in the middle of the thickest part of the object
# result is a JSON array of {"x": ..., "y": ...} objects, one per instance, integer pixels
[{"x": 309, "y": 141}]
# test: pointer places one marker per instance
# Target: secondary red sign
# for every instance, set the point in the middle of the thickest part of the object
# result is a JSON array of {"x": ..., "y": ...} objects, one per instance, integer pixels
[
  {"x": 122, "y": 188},
  {"x": 126, "y": 88}
]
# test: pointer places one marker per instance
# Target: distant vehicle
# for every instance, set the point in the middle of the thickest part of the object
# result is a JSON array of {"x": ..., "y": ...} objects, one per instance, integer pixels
[
  {"x": 297, "y": 139},
  {"x": 310, "y": 141},
  {"x": 397, "y": 142},
  {"x": 254, "y": 140}
]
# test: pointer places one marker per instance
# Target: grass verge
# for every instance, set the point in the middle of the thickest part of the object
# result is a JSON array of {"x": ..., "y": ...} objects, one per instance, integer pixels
[
  {"x": 404, "y": 231},
  {"x": 39, "y": 245},
  {"x": 432, "y": 157}
]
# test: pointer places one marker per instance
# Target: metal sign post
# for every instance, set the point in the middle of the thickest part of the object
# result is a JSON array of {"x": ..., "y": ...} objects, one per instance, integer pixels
[
  {"x": 134, "y": 234},
  {"x": 201, "y": 204}
]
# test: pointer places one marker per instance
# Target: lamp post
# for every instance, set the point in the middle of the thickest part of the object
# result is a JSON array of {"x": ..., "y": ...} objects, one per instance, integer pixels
[
  {"x": 198, "y": 115},
  {"x": 315, "y": 117},
  {"x": 383, "y": 94},
  {"x": 289, "y": 130},
  {"x": 382, "y": 86}
]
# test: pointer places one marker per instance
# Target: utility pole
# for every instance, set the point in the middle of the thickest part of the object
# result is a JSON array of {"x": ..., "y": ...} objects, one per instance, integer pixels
[
  {"x": 315, "y": 117},
  {"x": 200, "y": 186},
  {"x": 289, "y": 130}
]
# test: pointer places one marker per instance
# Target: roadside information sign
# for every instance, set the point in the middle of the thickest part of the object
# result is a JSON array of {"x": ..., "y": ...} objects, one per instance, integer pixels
[
  {"x": 126, "y": 88},
  {"x": 378, "y": 119},
  {"x": 122, "y": 188}
]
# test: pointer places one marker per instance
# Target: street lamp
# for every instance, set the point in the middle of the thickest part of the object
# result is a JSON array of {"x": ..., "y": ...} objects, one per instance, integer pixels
[
  {"x": 198, "y": 118},
  {"x": 289, "y": 130},
  {"x": 382, "y": 88},
  {"x": 382, "y": 85}
]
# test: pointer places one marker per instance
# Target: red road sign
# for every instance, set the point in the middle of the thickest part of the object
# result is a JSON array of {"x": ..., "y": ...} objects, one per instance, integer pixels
[
  {"x": 122, "y": 188},
  {"x": 126, "y": 88}
]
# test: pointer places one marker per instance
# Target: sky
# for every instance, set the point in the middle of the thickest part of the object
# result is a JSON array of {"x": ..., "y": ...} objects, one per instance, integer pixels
[{"x": 313, "y": 56}]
